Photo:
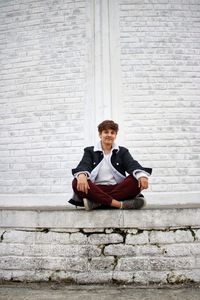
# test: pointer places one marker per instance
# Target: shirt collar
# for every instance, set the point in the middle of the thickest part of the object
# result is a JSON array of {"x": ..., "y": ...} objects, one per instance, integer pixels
[{"x": 98, "y": 147}]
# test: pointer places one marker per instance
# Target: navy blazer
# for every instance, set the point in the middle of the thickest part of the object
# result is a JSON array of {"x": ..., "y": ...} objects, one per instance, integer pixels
[{"x": 121, "y": 160}]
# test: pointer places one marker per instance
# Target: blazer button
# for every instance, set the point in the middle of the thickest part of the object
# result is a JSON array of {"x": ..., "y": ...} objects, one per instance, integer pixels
[
  {"x": 94, "y": 163},
  {"x": 117, "y": 164}
]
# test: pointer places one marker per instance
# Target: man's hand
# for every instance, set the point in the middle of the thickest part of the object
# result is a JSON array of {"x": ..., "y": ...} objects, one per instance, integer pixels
[
  {"x": 82, "y": 183},
  {"x": 143, "y": 183}
]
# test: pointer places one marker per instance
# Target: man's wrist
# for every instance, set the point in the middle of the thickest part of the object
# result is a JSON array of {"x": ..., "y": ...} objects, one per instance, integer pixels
[
  {"x": 87, "y": 174},
  {"x": 82, "y": 174},
  {"x": 143, "y": 177}
]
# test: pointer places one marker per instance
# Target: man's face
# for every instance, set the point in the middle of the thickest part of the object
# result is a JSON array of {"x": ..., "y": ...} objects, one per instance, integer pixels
[{"x": 108, "y": 136}]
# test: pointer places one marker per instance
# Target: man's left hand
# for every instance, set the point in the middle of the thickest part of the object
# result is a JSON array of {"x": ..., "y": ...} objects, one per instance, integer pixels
[{"x": 143, "y": 183}]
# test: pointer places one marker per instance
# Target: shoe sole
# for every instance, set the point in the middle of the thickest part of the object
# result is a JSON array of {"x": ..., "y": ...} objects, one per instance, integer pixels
[
  {"x": 89, "y": 205},
  {"x": 145, "y": 203},
  {"x": 85, "y": 201}
]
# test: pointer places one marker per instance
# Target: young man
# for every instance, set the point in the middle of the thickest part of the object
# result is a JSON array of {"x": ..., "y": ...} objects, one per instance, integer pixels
[{"x": 100, "y": 177}]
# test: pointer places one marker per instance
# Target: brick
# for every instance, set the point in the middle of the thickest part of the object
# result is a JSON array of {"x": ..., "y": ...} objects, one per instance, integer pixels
[
  {"x": 27, "y": 263},
  {"x": 168, "y": 237},
  {"x": 19, "y": 237},
  {"x": 149, "y": 250},
  {"x": 99, "y": 239},
  {"x": 11, "y": 249},
  {"x": 52, "y": 238},
  {"x": 119, "y": 250},
  {"x": 18, "y": 275},
  {"x": 182, "y": 249},
  {"x": 183, "y": 276},
  {"x": 123, "y": 277},
  {"x": 94, "y": 277},
  {"x": 53, "y": 250},
  {"x": 154, "y": 264},
  {"x": 132, "y": 264},
  {"x": 102, "y": 263},
  {"x": 58, "y": 276},
  {"x": 140, "y": 238},
  {"x": 147, "y": 277},
  {"x": 78, "y": 238},
  {"x": 178, "y": 263}
]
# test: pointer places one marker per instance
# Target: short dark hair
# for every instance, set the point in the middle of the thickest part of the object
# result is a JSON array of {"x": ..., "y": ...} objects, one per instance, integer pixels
[{"x": 108, "y": 124}]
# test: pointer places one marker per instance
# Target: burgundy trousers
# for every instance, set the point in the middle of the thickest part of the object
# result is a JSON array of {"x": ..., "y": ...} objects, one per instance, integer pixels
[{"x": 104, "y": 194}]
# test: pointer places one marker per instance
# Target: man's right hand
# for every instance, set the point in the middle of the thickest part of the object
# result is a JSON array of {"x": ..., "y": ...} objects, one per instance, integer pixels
[{"x": 82, "y": 183}]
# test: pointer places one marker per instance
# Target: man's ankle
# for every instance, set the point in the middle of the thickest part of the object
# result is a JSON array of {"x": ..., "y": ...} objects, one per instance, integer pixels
[{"x": 116, "y": 203}]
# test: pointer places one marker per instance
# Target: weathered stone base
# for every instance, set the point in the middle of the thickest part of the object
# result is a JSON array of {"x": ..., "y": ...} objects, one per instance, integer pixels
[{"x": 98, "y": 252}]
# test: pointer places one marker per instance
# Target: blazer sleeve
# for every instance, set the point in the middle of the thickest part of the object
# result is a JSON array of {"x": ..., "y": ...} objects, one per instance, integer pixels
[{"x": 85, "y": 164}]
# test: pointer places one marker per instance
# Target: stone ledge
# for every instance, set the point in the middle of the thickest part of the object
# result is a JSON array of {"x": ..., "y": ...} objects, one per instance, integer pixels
[{"x": 70, "y": 218}]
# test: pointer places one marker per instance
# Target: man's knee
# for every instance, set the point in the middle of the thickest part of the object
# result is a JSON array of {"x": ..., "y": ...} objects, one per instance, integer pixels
[{"x": 131, "y": 179}]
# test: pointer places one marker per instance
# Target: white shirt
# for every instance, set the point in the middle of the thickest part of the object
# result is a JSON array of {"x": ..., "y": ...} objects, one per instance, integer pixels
[{"x": 105, "y": 175}]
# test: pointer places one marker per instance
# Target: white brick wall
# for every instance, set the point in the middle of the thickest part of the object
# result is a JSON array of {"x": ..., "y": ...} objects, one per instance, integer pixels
[
  {"x": 42, "y": 91},
  {"x": 144, "y": 257},
  {"x": 146, "y": 246},
  {"x": 50, "y": 66},
  {"x": 160, "y": 70}
]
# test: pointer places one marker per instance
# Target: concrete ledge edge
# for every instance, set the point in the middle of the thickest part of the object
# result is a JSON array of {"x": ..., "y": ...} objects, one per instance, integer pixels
[{"x": 144, "y": 219}]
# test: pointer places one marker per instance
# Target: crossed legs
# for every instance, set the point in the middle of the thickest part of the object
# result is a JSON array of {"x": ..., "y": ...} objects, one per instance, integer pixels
[{"x": 106, "y": 194}]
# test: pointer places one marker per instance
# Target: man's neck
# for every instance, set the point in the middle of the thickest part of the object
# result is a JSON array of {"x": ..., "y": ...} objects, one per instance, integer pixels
[{"x": 106, "y": 148}]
